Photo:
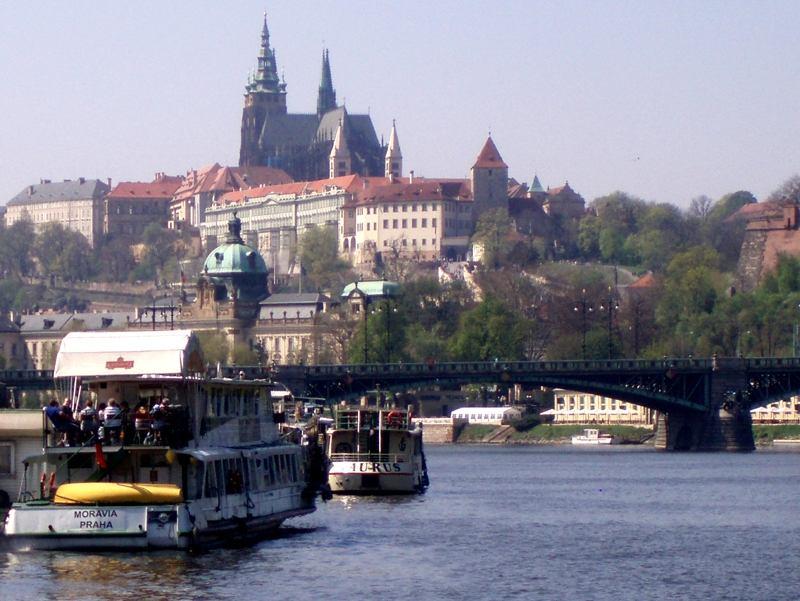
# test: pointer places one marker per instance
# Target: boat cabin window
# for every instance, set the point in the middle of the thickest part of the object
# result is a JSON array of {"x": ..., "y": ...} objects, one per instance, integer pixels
[{"x": 194, "y": 479}]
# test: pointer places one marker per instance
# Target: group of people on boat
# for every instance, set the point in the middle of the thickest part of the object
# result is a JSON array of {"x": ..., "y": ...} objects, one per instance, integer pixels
[{"x": 111, "y": 422}]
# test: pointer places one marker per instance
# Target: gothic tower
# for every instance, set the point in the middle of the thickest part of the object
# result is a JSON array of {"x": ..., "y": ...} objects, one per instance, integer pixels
[
  {"x": 394, "y": 158},
  {"x": 326, "y": 98},
  {"x": 339, "y": 159},
  {"x": 264, "y": 95}
]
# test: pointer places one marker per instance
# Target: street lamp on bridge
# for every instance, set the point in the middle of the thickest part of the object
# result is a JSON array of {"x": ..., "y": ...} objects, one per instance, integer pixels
[
  {"x": 610, "y": 306},
  {"x": 583, "y": 307}
]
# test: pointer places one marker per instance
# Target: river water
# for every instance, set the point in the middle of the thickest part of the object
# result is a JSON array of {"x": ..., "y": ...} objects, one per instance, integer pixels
[{"x": 521, "y": 522}]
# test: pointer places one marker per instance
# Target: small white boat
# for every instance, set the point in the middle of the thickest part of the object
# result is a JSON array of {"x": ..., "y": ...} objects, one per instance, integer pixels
[
  {"x": 217, "y": 473},
  {"x": 592, "y": 436},
  {"x": 374, "y": 450}
]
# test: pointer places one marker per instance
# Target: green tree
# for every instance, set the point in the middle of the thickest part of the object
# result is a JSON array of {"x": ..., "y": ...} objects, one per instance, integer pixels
[
  {"x": 489, "y": 331},
  {"x": 16, "y": 249},
  {"x": 492, "y": 232},
  {"x": 320, "y": 259},
  {"x": 214, "y": 346}
]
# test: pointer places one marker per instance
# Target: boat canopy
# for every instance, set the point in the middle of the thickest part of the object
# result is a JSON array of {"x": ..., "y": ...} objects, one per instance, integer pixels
[{"x": 169, "y": 352}]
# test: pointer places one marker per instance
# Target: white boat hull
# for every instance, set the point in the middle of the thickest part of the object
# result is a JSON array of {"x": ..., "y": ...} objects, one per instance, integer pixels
[
  {"x": 33, "y": 526},
  {"x": 370, "y": 477}
]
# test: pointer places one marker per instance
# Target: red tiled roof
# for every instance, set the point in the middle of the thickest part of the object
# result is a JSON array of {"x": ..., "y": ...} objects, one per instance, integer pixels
[
  {"x": 216, "y": 178},
  {"x": 163, "y": 188},
  {"x": 489, "y": 157},
  {"x": 349, "y": 183},
  {"x": 648, "y": 280},
  {"x": 420, "y": 189},
  {"x": 756, "y": 210}
]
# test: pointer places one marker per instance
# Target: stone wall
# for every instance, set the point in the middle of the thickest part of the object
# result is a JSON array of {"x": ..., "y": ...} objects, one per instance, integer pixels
[
  {"x": 751, "y": 259},
  {"x": 440, "y": 430}
]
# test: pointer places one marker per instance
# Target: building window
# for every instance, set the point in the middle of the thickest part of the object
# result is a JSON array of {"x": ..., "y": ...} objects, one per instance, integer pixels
[
  {"x": 413, "y": 223},
  {"x": 394, "y": 224},
  {"x": 386, "y": 224},
  {"x": 394, "y": 209},
  {"x": 6, "y": 458},
  {"x": 424, "y": 242},
  {"x": 405, "y": 208},
  {"x": 424, "y": 222},
  {"x": 404, "y": 242},
  {"x": 414, "y": 242},
  {"x": 405, "y": 223},
  {"x": 424, "y": 207},
  {"x": 433, "y": 222}
]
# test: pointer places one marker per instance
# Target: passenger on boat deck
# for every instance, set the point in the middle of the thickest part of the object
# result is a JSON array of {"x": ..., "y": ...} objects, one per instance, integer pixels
[
  {"x": 88, "y": 420},
  {"x": 127, "y": 422},
  {"x": 160, "y": 413},
  {"x": 63, "y": 423},
  {"x": 113, "y": 421}
]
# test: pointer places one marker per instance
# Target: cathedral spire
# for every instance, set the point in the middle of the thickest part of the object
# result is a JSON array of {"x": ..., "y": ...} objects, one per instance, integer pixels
[
  {"x": 326, "y": 99},
  {"x": 266, "y": 79}
]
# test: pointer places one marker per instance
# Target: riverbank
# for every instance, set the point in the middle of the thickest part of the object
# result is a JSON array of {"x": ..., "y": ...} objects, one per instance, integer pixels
[{"x": 553, "y": 434}]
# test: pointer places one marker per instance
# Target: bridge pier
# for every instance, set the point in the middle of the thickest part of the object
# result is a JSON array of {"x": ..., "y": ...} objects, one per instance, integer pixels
[{"x": 725, "y": 426}]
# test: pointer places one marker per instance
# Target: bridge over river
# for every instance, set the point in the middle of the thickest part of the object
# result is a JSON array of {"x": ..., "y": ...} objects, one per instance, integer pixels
[{"x": 703, "y": 404}]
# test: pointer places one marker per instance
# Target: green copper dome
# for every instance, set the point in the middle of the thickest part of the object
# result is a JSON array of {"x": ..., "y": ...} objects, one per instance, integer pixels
[
  {"x": 234, "y": 257},
  {"x": 236, "y": 270}
]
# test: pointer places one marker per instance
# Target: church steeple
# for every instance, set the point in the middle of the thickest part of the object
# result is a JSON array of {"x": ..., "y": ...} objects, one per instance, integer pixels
[
  {"x": 394, "y": 158},
  {"x": 326, "y": 99}
]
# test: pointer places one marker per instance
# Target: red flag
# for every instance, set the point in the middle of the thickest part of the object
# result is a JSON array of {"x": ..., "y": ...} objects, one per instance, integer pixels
[{"x": 99, "y": 455}]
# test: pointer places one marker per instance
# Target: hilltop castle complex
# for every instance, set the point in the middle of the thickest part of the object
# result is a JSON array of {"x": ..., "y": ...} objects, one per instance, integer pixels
[{"x": 304, "y": 145}]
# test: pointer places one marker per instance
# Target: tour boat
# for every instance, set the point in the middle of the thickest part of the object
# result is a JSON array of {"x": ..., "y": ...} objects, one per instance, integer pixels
[
  {"x": 375, "y": 450},
  {"x": 209, "y": 467},
  {"x": 592, "y": 436}
]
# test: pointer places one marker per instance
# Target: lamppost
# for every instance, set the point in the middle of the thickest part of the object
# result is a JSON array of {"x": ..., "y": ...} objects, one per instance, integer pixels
[
  {"x": 388, "y": 309},
  {"x": 163, "y": 310},
  {"x": 583, "y": 306},
  {"x": 611, "y": 305},
  {"x": 364, "y": 301}
]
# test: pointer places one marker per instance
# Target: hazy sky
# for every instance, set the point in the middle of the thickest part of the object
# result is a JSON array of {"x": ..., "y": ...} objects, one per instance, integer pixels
[{"x": 663, "y": 99}]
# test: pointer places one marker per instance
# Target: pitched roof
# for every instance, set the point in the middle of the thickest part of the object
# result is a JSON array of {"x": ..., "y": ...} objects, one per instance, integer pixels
[
  {"x": 163, "y": 188},
  {"x": 79, "y": 189},
  {"x": 489, "y": 157},
  {"x": 418, "y": 190},
  {"x": 215, "y": 178},
  {"x": 65, "y": 321},
  {"x": 348, "y": 183}
]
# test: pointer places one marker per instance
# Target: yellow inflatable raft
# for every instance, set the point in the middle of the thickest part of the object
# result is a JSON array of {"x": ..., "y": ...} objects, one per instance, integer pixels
[{"x": 117, "y": 493}]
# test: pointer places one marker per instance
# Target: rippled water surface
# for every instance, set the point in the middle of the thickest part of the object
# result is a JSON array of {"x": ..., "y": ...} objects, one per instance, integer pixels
[{"x": 497, "y": 523}]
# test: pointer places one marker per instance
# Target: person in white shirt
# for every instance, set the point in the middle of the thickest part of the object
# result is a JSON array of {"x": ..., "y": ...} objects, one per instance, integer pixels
[{"x": 113, "y": 422}]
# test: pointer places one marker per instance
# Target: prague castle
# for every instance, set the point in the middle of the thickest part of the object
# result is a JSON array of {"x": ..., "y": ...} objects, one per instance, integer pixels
[{"x": 303, "y": 144}]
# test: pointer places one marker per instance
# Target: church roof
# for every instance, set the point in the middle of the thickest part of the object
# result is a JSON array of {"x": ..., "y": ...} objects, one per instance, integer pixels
[
  {"x": 489, "y": 157},
  {"x": 47, "y": 191},
  {"x": 536, "y": 185}
]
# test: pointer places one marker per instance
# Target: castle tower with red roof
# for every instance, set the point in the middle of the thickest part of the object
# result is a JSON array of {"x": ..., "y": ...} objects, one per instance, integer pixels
[{"x": 489, "y": 177}]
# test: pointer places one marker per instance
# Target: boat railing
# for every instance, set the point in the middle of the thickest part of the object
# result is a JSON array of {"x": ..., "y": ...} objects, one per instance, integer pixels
[
  {"x": 375, "y": 457},
  {"x": 391, "y": 420}
]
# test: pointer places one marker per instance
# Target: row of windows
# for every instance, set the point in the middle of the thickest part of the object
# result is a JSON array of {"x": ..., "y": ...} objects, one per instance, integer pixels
[
  {"x": 237, "y": 475},
  {"x": 404, "y": 242},
  {"x": 403, "y": 223},
  {"x": 226, "y": 402}
]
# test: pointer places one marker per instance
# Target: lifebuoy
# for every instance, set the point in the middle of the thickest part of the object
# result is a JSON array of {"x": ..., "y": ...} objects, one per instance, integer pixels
[{"x": 394, "y": 419}]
